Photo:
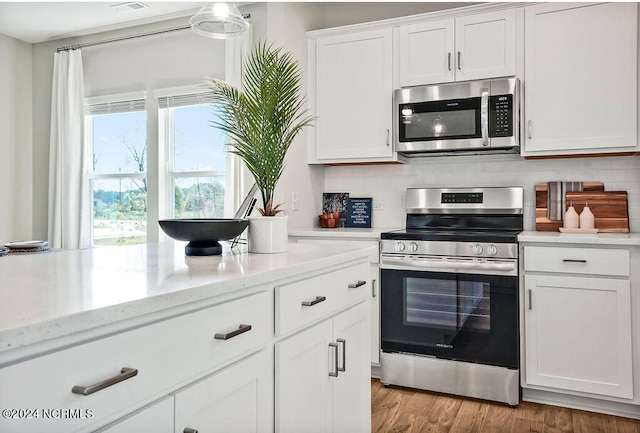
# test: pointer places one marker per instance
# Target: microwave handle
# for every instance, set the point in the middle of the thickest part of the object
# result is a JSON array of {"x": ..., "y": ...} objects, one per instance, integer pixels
[{"x": 484, "y": 116}]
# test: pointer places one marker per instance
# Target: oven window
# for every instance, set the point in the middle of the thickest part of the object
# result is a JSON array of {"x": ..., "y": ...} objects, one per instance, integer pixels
[{"x": 447, "y": 304}]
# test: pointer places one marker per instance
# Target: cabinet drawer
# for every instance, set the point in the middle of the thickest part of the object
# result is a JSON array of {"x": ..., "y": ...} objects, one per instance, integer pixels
[
  {"x": 165, "y": 354},
  {"x": 594, "y": 261},
  {"x": 311, "y": 299}
]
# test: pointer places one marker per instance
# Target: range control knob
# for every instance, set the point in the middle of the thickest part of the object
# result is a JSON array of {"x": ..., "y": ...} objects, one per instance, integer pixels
[
  {"x": 413, "y": 247},
  {"x": 476, "y": 249},
  {"x": 492, "y": 250},
  {"x": 400, "y": 247}
]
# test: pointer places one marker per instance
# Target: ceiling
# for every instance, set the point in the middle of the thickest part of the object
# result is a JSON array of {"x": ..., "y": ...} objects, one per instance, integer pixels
[{"x": 35, "y": 22}]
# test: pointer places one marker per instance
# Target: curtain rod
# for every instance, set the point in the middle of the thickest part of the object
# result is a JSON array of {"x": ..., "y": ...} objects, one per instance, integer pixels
[{"x": 124, "y": 38}]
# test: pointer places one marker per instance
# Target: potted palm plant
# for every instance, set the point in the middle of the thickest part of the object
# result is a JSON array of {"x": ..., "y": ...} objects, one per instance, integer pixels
[{"x": 261, "y": 121}]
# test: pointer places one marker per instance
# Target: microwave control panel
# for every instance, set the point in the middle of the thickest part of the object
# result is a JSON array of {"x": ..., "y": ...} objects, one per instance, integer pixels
[{"x": 501, "y": 116}]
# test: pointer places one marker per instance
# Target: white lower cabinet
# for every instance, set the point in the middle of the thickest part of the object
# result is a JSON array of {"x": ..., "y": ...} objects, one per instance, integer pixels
[
  {"x": 577, "y": 321},
  {"x": 323, "y": 376},
  {"x": 156, "y": 418},
  {"x": 236, "y": 399}
]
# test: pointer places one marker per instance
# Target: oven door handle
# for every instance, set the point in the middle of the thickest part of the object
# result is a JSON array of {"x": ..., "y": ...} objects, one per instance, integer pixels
[{"x": 448, "y": 264}]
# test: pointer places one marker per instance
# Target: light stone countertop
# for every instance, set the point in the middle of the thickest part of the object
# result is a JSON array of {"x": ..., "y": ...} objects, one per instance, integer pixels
[
  {"x": 45, "y": 296},
  {"x": 628, "y": 239},
  {"x": 342, "y": 232}
]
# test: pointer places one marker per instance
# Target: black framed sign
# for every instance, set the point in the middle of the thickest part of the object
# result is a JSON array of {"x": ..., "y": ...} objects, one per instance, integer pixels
[{"x": 359, "y": 212}]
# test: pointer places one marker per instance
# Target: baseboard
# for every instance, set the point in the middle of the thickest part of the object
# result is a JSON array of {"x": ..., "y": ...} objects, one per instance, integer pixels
[{"x": 582, "y": 403}]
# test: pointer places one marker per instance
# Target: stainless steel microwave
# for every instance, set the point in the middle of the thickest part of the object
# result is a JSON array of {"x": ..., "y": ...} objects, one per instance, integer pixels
[{"x": 471, "y": 116}]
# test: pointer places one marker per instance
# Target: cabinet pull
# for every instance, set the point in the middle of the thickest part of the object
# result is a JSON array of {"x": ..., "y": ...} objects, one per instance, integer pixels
[
  {"x": 125, "y": 373},
  {"x": 388, "y": 134},
  {"x": 334, "y": 373},
  {"x": 360, "y": 283},
  {"x": 449, "y": 60},
  {"x": 189, "y": 430},
  {"x": 530, "y": 307},
  {"x": 241, "y": 330},
  {"x": 373, "y": 288},
  {"x": 314, "y": 302},
  {"x": 459, "y": 61},
  {"x": 344, "y": 354},
  {"x": 529, "y": 127},
  {"x": 574, "y": 260}
]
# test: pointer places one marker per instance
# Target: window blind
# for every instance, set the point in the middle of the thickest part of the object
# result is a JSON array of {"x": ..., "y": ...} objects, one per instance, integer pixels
[
  {"x": 186, "y": 99},
  {"x": 115, "y": 107}
]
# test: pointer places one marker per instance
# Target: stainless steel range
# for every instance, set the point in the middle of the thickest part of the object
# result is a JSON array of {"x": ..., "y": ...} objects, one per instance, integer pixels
[{"x": 449, "y": 293}]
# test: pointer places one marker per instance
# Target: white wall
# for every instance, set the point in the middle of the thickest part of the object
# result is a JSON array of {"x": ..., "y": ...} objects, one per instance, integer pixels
[
  {"x": 388, "y": 183},
  {"x": 15, "y": 140}
]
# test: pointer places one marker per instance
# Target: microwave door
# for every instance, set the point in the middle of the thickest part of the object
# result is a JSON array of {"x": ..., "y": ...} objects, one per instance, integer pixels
[{"x": 441, "y": 125}]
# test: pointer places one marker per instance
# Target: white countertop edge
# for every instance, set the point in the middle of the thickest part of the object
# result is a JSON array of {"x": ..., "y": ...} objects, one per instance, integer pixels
[
  {"x": 63, "y": 331},
  {"x": 628, "y": 239},
  {"x": 342, "y": 232}
]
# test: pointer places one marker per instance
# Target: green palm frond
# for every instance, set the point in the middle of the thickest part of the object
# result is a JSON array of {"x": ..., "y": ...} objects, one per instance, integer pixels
[{"x": 262, "y": 120}]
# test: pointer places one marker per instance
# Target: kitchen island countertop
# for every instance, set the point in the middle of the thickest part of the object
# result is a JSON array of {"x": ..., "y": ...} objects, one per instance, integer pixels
[{"x": 46, "y": 298}]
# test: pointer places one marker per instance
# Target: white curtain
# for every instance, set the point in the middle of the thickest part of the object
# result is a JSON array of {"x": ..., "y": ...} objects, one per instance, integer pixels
[
  {"x": 69, "y": 199},
  {"x": 238, "y": 179}
]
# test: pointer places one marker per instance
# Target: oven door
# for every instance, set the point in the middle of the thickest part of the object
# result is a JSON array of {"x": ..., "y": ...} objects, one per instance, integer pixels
[{"x": 465, "y": 317}]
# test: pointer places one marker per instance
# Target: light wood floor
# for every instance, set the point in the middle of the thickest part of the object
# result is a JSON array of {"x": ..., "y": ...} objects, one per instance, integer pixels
[{"x": 404, "y": 410}]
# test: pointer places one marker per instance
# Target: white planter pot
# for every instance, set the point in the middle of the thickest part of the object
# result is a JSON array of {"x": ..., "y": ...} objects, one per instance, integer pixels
[{"x": 268, "y": 234}]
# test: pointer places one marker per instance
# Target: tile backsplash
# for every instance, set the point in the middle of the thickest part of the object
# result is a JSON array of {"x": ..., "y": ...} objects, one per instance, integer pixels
[{"x": 387, "y": 183}]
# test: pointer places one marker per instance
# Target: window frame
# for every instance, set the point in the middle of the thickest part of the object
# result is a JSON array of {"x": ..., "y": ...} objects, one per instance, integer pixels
[{"x": 118, "y": 98}]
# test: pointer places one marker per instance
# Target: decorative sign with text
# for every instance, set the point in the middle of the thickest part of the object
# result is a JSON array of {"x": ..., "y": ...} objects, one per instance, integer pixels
[{"x": 359, "y": 212}]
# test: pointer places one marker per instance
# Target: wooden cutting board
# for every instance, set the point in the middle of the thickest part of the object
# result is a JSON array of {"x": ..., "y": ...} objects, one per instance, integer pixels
[
  {"x": 543, "y": 222},
  {"x": 610, "y": 209}
]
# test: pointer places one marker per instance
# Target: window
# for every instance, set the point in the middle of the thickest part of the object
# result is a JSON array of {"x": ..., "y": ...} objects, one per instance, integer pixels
[
  {"x": 196, "y": 156},
  {"x": 117, "y": 136},
  {"x": 135, "y": 179}
]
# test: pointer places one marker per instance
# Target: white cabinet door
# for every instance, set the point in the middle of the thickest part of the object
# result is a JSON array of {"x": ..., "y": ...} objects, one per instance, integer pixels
[
  {"x": 352, "y": 97},
  {"x": 303, "y": 363},
  {"x": 352, "y": 386},
  {"x": 375, "y": 314},
  {"x": 427, "y": 53},
  {"x": 578, "y": 334},
  {"x": 157, "y": 418},
  {"x": 580, "y": 78},
  {"x": 486, "y": 45},
  {"x": 466, "y": 48},
  {"x": 323, "y": 376},
  {"x": 236, "y": 399}
]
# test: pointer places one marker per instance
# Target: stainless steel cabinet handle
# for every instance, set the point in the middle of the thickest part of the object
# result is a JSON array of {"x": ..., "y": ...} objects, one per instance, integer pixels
[
  {"x": 334, "y": 373},
  {"x": 241, "y": 330},
  {"x": 125, "y": 373},
  {"x": 529, "y": 127},
  {"x": 530, "y": 307},
  {"x": 459, "y": 61},
  {"x": 360, "y": 283},
  {"x": 314, "y": 302},
  {"x": 189, "y": 430},
  {"x": 388, "y": 134},
  {"x": 574, "y": 260},
  {"x": 344, "y": 354},
  {"x": 373, "y": 288},
  {"x": 449, "y": 61}
]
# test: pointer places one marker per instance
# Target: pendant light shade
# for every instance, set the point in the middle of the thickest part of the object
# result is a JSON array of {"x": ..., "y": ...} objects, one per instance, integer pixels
[{"x": 219, "y": 21}]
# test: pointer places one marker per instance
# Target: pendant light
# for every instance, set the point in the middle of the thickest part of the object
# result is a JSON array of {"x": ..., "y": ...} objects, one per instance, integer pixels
[{"x": 219, "y": 21}]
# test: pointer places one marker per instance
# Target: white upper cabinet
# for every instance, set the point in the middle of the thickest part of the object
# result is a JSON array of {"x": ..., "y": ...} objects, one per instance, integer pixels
[
  {"x": 580, "y": 78},
  {"x": 465, "y": 48},
  {"x": 350, "y": 94}
]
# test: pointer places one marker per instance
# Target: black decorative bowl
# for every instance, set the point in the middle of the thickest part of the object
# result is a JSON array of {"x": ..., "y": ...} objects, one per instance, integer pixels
[{"x": 203, "y": 234}]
